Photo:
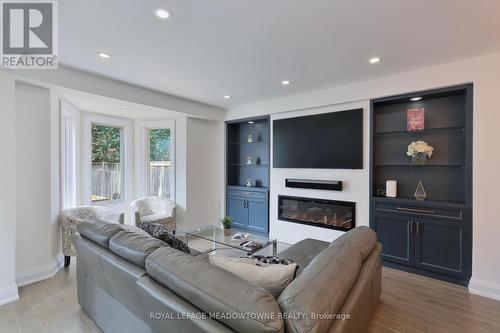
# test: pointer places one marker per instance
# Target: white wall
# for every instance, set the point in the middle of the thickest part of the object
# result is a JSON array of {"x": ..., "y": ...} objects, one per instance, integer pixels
[
  {"x": 484, "y": 72},
  {"x": 203, "y": 164},
  {"x": 34, "y": 224},
  {"x": 8, "y": 288},
  {"x": 355, "y": 184}
]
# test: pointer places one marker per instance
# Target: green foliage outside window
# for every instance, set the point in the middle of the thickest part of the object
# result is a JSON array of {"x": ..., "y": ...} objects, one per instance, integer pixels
[
  {"x": 159, "y": 143},
  {"x": 105, "y": 144}
]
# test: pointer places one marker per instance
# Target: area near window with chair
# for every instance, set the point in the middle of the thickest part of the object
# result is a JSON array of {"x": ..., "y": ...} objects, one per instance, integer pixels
[{"x": 244, "y": 166}]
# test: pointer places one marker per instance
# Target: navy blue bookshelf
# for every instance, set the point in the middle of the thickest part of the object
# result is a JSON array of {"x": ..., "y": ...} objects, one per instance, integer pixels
[
  {"x": 431, "y": 237},
  {"x": 247, "y": 158}
]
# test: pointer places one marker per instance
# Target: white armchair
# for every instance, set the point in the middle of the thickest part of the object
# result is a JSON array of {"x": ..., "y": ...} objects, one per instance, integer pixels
[
  {"x": 154, "y": 210},
  {"x": 70, "y": 219}
]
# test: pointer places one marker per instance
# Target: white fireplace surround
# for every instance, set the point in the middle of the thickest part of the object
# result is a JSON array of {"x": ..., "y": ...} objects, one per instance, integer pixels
[{"x": 355, "y": 184}]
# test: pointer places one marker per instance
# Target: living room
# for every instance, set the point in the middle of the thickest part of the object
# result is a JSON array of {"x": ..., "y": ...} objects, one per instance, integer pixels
[{"x": 334, "y": 145}]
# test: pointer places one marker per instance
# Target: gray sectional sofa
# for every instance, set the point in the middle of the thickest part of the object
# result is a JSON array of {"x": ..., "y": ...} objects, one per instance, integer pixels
[{"x": 130, "y": 282}]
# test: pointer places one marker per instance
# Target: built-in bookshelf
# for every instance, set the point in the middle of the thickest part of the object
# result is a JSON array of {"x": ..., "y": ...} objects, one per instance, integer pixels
[
  {"x": 432, "y": 237},
  {"x": 248, "y": 152},
  {"x": 247, "y": 160},
  {"x": 444, "y": 175}
]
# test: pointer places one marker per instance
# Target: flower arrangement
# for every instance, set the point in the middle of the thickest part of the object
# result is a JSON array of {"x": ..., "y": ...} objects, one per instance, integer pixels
[{"x": 419, "y": 151}]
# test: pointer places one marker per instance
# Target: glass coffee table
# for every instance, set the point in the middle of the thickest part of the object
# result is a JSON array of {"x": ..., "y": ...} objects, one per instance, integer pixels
[{"x": 218, "y": 237}]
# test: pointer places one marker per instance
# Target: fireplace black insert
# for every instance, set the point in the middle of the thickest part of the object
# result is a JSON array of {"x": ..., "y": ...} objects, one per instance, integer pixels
[{"x": 331, "y": 214}]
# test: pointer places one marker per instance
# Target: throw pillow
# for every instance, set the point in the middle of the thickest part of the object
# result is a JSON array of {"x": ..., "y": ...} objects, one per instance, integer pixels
[
  {"x": 159, "y": 232},
  {"x": 270, "y": 260},
  {"x": 273, "y": 278}
]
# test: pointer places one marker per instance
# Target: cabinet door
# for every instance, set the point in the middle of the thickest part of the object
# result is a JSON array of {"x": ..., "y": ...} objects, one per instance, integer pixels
[
  {"x": 395, "y": 234},
  {"x": 236, "y": 208},
  {"x": 257, "y": 215},
  {"x": 439, "y": 246}
]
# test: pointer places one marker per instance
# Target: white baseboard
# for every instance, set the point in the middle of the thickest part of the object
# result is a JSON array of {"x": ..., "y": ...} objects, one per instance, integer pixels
[
  {"x": 8, "y": 294},
  {"x": 485, "y": 288},
  {"x": 39, "y": 273}
]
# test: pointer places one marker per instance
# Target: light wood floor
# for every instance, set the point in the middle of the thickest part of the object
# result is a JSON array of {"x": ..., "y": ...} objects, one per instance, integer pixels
[{"x": 409, "y": 303}]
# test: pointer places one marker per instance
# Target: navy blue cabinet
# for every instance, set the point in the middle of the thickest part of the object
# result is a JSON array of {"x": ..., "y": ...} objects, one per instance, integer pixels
[
  {"x": 439, "y": 246},
  {"x": 236, "y": 208},
  {"x": 249, "y": 208},
  {"x": 395, "y": 233},
  {"x": 432, "y": 237},
  {"x": 247, "y": 156}
]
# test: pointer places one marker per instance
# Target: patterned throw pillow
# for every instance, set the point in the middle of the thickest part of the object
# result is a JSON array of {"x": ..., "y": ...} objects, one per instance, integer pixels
[
  {"x": 159, "y": 232},
  {"x": 270, "y": 260}
]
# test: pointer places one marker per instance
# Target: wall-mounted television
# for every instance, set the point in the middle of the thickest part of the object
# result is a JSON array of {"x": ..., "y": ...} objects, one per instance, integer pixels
[{"x": 323, "y": 141}]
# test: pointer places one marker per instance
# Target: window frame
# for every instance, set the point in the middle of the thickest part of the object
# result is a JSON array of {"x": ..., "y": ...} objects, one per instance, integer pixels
[
  {"x": 69, "y": 155},
  {"x": 142, "y": 150},
  {"x": 126, "y": 158}
]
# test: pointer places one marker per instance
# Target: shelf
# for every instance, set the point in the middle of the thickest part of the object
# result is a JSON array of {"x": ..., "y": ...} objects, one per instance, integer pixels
[
  {"x": 415, "y": 202},
  {"x": 420, "y": 166},
  {"x": 425, "y": 131},
  {"x": 245, "y": 143},
  {"x": 249, "y": 166}
]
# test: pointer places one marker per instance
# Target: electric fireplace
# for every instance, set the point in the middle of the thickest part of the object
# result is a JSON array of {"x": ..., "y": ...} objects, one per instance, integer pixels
[{"x": 331, "y": 214}]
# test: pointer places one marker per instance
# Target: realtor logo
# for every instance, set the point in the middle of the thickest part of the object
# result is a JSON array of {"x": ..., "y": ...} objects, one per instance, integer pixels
[{"x": 29, "y": 34}]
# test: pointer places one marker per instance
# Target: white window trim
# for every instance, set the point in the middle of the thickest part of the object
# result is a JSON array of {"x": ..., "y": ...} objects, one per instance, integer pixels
[
  {"x": 142, "y": 150},
  {"x": 126, "y": 157},
  {"x": 69, "y": 155}
]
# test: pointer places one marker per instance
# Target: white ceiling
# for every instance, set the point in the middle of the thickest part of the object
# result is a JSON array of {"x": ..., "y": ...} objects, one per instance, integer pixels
[{"x": 244, "y": 48}]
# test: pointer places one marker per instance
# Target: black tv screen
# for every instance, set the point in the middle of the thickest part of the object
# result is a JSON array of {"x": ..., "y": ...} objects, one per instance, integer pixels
[{"x": 323, "y": 141}]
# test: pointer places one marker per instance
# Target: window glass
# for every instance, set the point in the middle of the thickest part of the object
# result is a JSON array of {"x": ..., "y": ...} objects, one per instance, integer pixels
[
  {"x": 160, "y": 168},
  {"x": 106, "y": 163}
]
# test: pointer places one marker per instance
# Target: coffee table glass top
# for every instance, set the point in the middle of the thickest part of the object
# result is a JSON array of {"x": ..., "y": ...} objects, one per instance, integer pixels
[{"x": 216, "y": 234}]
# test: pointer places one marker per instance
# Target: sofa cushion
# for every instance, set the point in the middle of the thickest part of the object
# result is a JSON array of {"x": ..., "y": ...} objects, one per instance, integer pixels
[
  {"x": 362, "y": 238},
  {"x": 99, "y": 232},
  {"x": 304, "y": 252},
  {"x": 272, "y": 277},
  {"x": 215, "y": 290},
  {"x": 321, "y": 288},
  {"x": 134, "y": 247},
  {"x": 159, "y": 232}
]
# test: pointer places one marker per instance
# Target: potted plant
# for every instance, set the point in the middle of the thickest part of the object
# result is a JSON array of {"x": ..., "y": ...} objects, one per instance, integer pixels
[
  {"x": 419, "y": 151},
  {"x": 226, "y": 223}
]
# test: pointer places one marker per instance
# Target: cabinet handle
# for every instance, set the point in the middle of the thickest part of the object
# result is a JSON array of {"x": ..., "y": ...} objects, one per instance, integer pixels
[
  {"x": 411, "y": 227},
  {"x": 247, "y": 193},
  {"x": 418, "y": 228},
  {"x": 423, "y": 211},
  {"x": 244, "y": 204}
]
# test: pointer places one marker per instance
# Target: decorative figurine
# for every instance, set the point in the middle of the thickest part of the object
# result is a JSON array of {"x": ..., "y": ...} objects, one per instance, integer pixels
[
  {"x": 249, "y": 160},
  {"x": 420, "y": 192},
  {"x": 250, "y": 138},
  {"x": 249, "y": 182}
]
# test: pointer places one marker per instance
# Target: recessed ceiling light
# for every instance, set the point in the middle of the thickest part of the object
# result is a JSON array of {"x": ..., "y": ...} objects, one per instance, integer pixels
[
  {"x": 227, "y": 97},
  {"x": 285, "y": 82},
  {"x": 250, "y": 122},
  {"x": 374, "y": 60},
  {"x": 415, "y": 99},
  {"x": 123, "y": 110},
  {"x": 104, "y": 55},
  {"x": 162, "y": 13}
]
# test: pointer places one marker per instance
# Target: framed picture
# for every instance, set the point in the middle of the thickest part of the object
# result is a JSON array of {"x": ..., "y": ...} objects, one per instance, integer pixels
[{"x": 415, "y": 119}]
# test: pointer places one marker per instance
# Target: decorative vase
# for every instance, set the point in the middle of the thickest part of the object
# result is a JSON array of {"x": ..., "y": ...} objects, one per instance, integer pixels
[
  {"x": 420, "y": 192},
  {"x": 419, "y": 159},
  {"x": 227, "y": 232}
]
